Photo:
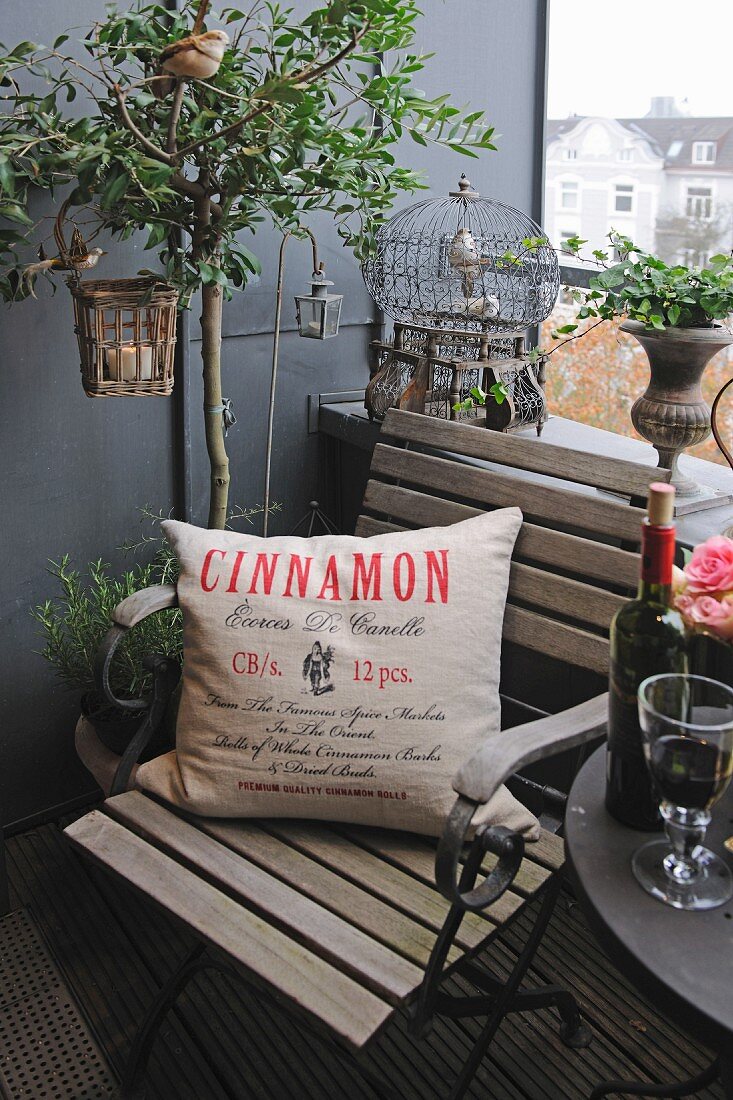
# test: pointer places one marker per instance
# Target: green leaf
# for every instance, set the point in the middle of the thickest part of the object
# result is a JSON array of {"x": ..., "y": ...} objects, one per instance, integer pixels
[
  {"x": 7, "y": 177},
  {"x": 673, "y": 314},
  {"x": 574, "y": 244},
  {"x": 14, "y": 213},
  {"x": 114, "y": 190},
  {"x": 207, "y": 272}
]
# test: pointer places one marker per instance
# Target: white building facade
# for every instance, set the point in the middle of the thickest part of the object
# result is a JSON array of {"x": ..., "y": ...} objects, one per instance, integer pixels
[{"x": 665, "y": 182}]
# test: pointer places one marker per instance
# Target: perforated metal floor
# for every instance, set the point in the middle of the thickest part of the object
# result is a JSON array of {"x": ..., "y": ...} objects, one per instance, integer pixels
[{"x": 46, "y": 1050}]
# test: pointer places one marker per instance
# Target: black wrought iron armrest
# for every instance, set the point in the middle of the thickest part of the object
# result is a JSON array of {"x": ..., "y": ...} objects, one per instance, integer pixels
[
  {"x": 480, "y": 778},
  {"x": 127, "y": 614},
  {"x": 165, "y": 671}
]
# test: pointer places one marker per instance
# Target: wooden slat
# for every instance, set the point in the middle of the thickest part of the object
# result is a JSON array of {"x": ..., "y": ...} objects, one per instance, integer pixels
[
  {"x": 549, "y": 850},
  {"x": 567, "y": 643},
  {"x": 417, "y": 856},
  {"x": 304, "y": 980},
  {"x": 366, "y": 526},
  {"x": 584, "y": 603},
  {"x": 401, "y": 933},
  {"x": 537, "y": 544},
  {"x": 586, "y": 513},
  {"x": 613, "y": 474},
  {"x": 394, "y": 886},
  {"x": 388, "y": 975},
  {"x": 578, "y": 555}
]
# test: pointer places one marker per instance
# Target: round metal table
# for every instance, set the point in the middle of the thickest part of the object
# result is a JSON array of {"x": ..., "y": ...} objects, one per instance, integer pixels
[{"x": 682, "y": 961}]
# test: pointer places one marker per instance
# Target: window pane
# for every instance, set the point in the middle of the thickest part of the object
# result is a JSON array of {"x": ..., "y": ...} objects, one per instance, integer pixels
[
  {"x": 656, "y": 167},
  {"x": 624, "y": 198},
  {"x": 568, "y": 195}
]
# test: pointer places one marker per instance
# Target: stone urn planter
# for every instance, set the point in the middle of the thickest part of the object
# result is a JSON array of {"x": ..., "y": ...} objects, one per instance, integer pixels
[{"x": 672, "y": 414}]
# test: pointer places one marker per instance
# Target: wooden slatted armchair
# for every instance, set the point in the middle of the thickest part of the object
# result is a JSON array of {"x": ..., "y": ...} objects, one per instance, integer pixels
[{"x": 349, "y": 925}]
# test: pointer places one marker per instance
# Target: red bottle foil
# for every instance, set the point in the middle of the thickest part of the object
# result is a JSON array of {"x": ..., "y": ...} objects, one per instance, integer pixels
[{"x": 657, "y": 554}]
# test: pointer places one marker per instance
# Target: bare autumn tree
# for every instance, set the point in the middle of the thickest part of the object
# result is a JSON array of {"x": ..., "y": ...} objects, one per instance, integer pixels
[{"x": 302, "y": 115}]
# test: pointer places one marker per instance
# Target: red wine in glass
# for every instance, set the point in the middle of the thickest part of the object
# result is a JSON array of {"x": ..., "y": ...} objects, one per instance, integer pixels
[
  {"x": 687, "y": 726},
  {"x": 689, "y": 772}
]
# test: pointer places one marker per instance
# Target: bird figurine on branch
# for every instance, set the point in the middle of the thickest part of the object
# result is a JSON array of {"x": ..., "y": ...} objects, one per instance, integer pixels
[
  {"x": 76, "y": 259},
  {"x": 196, "y": 57}
]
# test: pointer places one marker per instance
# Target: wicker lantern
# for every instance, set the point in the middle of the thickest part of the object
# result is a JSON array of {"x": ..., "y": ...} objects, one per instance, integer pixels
[
  {"x": 127, "y": 334},
  {"x": 441, "y": 264}
]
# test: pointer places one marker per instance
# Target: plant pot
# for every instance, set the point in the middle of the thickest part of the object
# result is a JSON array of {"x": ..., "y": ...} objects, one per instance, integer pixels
[
  {"x": 711, "y": 656},
  {"x": 115, "y": 727},
  {"x": 672, "y": 414}
]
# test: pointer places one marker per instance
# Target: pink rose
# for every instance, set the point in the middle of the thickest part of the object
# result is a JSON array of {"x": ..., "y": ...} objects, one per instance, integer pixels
[
  {"x": 710, "y": 569},
  {"x": 684, "y": 605},
  {"x": 714, "y": 615}
]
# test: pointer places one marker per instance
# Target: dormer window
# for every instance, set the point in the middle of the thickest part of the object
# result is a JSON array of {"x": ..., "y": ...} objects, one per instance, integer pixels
[
  {"x": 703, "y": 152},
  {"x": 674, "y": 149}
]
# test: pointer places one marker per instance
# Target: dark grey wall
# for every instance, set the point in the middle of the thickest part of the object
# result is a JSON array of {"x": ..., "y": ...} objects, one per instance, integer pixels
[{"x": 76, "y": 470}]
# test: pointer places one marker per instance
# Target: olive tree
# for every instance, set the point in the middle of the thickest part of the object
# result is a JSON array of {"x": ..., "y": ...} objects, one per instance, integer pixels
[{"x": 302, "y": 115}]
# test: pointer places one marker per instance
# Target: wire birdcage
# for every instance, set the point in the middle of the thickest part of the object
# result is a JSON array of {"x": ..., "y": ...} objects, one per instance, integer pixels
[{"x": 460, "y": 263}]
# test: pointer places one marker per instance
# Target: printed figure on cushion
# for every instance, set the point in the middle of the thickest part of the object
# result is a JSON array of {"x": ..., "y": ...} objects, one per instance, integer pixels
[{"x": 316, "y": 668}]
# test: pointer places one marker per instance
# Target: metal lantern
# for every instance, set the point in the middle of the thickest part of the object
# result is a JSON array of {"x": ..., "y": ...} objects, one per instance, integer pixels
[
  {"x": 447, "y": 263},
  {"x": 318, "y": 312}
]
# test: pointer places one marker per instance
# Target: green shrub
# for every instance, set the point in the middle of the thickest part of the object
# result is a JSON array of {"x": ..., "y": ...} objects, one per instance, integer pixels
[{"x": 74, "y": 623}]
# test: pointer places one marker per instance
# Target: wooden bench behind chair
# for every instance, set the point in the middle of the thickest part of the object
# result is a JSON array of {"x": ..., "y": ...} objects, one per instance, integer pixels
[{"x": 346, "y": 925}]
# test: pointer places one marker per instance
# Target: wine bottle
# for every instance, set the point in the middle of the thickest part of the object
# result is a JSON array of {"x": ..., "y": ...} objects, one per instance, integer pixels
[{"x": 647, "y": 637}]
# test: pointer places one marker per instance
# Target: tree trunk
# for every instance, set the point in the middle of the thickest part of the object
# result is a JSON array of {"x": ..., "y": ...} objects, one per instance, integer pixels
[{"x": 211, "y": 303}]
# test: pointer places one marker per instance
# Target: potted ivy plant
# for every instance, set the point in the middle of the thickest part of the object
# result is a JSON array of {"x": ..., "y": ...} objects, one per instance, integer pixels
[{"x": 677, "y": 313}]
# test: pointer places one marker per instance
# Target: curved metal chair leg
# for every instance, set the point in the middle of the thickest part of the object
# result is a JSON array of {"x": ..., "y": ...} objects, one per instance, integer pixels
[
  {"x": 671, "y": 1090},
  {"x": 580, "y": 1035},
  {"x": 132, "y": 1086}
]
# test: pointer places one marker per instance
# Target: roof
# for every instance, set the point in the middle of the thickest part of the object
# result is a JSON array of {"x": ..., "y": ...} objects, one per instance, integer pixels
[{"x": 663, "y": 133}]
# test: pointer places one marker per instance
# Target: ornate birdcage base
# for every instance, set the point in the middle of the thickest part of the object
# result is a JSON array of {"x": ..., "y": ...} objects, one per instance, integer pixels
[
  {"x": 430, "y": 370},
  {"x": 126, "y": 330}
]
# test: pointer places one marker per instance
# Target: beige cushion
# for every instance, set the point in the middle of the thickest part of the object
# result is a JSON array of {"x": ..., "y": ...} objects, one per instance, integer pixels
[{"x": 338, "y": 678}]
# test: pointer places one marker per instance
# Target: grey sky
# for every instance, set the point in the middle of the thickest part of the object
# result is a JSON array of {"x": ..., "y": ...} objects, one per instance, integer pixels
[{"x": 610, "y": 59}]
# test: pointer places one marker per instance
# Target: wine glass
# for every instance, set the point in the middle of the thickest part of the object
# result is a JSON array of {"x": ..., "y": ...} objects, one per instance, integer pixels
[{"x": 687, "y": 726}]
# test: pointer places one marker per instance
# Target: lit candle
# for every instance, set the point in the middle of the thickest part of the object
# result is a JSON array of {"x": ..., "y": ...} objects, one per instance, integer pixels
[{"x": 122, "y": 363}]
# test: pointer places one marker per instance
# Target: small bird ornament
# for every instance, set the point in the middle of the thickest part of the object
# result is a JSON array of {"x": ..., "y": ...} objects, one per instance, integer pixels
[
  {"x": 464, "y": 258},
  {"x": 484, "y": 308},
  {"x": 464, "y": 251},
  {"x": 78, "y": 258},
  {"x": 196, "y": 57}
]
